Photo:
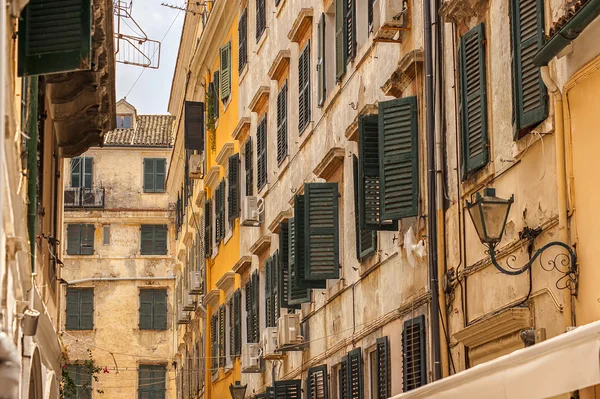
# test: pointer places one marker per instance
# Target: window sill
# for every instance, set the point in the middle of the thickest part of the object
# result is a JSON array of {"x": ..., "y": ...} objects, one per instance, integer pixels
[
  {"x": 215, "y": 252},
  {"x": 264, "y": 190},
  {"x": 283, "y": 166},
  {"x": 306, "y": 134},
  {"x": 228, "y": 236},
  {"x": 279, "y": 8},
  {"x": 226, "y": 103},
  {"x": 242, "y": 74},
  {"x": 261, "y": 41}
]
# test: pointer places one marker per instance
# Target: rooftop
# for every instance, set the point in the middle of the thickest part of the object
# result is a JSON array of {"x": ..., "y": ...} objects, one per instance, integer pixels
[{"x": 148, "y": 130}]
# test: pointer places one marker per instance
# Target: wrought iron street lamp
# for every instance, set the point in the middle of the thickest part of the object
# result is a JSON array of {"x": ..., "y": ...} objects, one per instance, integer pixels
[
  {"x": 489, "y": 215},
  {"x": 238, "y": 391}
]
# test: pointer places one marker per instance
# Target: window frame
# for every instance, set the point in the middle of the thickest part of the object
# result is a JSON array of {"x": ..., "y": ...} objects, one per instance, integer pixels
[
  {"x": 121, "y": 118},
  {"x": 82, "y": 236},
  {"x": 154, "y": 175},
  {"x": 153, "y": 318},
  {"x": 161, "y": 368},
  {"x": 154, "y": 227},
  {"x": 80, "y": 304}
]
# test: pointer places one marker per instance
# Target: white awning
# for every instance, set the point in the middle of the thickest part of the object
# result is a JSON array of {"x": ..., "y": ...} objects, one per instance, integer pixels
[{"x": 559, "y": 365}]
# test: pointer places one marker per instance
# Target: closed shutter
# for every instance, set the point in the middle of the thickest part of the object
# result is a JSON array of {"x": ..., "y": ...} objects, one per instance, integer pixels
[
  {"x": 343, "y": 374},
  {"x": 275, "y": 265},
  {"x": 269, "y": 293},
  {"x": 87, "y": 239},
  {"x": 214, "y": 342},
  {"x": 207, "y": 229},
  {"x": 73, "y": 239},
  {"x": 237, "y": 322},
  {"x": 350, "y": 29},
  {"x": 282, "y": 132},
  {"x": 216, "y": 78},
  {"x": 398, "y": 158},
  {"x": 83, "y": 379},
  {"x": 248, "y": 298},
  {"x": 290, "y": 389},
  {"x": 160, "y": 310},
  {"x": 243, "y": 40},
  {"x": 234, "y": 188},
  {"x": 160, "y": 175},
  {"x": 321, "y": 72},
  {"x": 72, "y": 309},
  {"x": 340, "y": 40},
  {"x": 149, "y": 165},
  {"x": 304, "y": 111},
  {"x": 222, "y": 208},
  {"x": 261, "y": 149},
  {"x": 88, "y": 166},
  {"x": 283, "y": 260},
  {"x": 76, "y": 171},
  {"x": 230, "y": 328},
  {"x": 355, "y": 374},
  {"x": 147, "y": 239},
  {"x": 261, "y": 18},
  {"x": 529, "y": 92},
  {"x": 248, "y": 164},
  {"x": 366, "y": 240},
  {"x": 300, "y": 243},
  {"x": 383, "y": 368},
  {"x": 225, "y": 71},
  {"x": 194, "y": 126},
  {"x": 255, "y": 314},
  {"x": 160, "y": 239},
  {"x": 322, "y": 260},
  {"x": 55, "y": 37},
  {"x": 369, "y": 176},
  {"x": 473, "y": 100},
  {"x": 413, "y": 351},
  {"x": 316, "y": 383},
  {"x": 222, "y": 336},
  {"x": 86, "y": 309},
  {"x": 146, "y": 307}
]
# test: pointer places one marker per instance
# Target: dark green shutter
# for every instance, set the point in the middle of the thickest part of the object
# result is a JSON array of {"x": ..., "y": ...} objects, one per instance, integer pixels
[
  {"x": 261, "y": 149},
  {"x": 88, "y": 166},
  {"x": 207, "y": 229},
  {"x": 86, "y": 309},
  {"x": 321, "y": 72},
  {"x": 473, "y": 100},
  {"x": 146, "y": 306},
  {"x": 87, "y": 239},
  {"x": 529, "y": 92},
  {"x": 214, "y": 340},
  {"x": 304, "y": 109},
  {"x": 413, "y": 351},
  {"x": 151, "y": 382},
  {"x": 283, "y": 259},
  {"x": 255, "y": 307},
  {"x": 316, "y": 383},
  {"x": 74, "y": 239},
  {"x": 355, "y": 374},
  {"x": 243, "y": 40},
  {"x": 322, "y": 260},
  {"x": 159, "y": 175},
  {"x": 160, "y": 239},
  {"x": 194, "y": 126},
  {"x": 222, "y": 336},
  {"x": 160, "y": 310},
  {"x": 248, "y": 307},
  {"x": 222, "y": 208},
  {"x": 369, "y": 189},
  {"x": 149, "y": 175},
  {"x": 282, "y": 131},
  {"x": 343, "y": 375},
  {"x": 234, "y": 188},
  {"x": 366, "y": 240},
  {"x": 398, "y": 158},
  {"x": 216, "y": 77},
  {"x": 269, "y": 293},
  {"x": 147, "y": 239},
  {"x": 76, "y": 171},
  {"x": 383, "y": 368},
  {"x": 288, "y": 389},
  {"x": 225, "y": 71},
  {"x": 248, "y": 164},
  {"x": 300, "y": 250},
  {"x": 350, "y": 29},
  {"x": 237, "y": 322},
  {"x": 231, "y": 329},
  {"x": 275, "y": 266},
  {"x": 55, "y": 37},
  {"x": 340, "y": 40},
  {"x": 261, "y": 18},
  {"x": 72, "y": 309}
]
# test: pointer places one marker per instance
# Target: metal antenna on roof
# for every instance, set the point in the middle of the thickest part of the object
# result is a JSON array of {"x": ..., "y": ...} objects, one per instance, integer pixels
[{"x": 194, "y": 7}]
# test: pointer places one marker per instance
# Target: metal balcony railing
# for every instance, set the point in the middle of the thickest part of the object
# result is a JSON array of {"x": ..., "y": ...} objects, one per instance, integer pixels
[{"x": 79, "y": 198}]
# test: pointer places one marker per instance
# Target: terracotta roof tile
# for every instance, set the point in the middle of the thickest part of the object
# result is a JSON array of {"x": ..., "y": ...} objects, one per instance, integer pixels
[{"x": 150, "y": 130}]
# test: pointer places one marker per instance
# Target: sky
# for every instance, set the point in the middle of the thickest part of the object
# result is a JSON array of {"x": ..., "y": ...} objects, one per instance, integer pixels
[{"x": 150, "y": 95}]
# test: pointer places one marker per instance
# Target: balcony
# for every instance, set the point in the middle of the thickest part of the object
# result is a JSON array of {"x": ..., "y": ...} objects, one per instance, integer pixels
[{"x": 84, "y": 198}]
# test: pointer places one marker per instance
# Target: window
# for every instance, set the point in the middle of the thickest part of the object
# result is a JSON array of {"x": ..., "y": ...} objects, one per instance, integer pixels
[
  {"x": 304, "y": 89},
  {"x": 152, "y": 381},
  {"x": 366, "y": 240},
  {"x": 154, "y": 239},
  {"x": 271, "y": 291},
  {"x": 230, "y": 331},
  {"x": 530, "y": 95},
  {"x": 82, "y": 378},
  {"x": 207, "y": 228},
  {"x": 252, "y": 318},
  {"x": 413, "y": 351},
  {"x": 237, "y": 323},
  {"x": 261, "y": 150},
  {"x": 233, "y": 188},
  {"x": 82, "y": 172},
  {"x": 194, "y": 126},
  {"x": 282, "y": 133},
  {"x": 316, "y": 383},
  {"x": 80, "y": 239},
  {"x": 283, "y": 256},
  {"x": 80, "y": 309},
  {"x": 153, "y": 309},
  {"x": 350, "y": 29},
  {"x": 473, "y": 100},
  {"x": 370, "y": 15},
  {"x": 154, "y": 175},
  {"x": 222, "y": 335},
  {"x": 219, "y": 198},
  {"x": 106, "y": 235},
  {"x": 225, "y": 52},
  {"x": 290, "y": 389},
  {"x": 351, "y": 376},
  {"x": 243, "y": 40},
  {"x": 248, "y": 164},
  {"x": 124, "y": 121},
  {"x": 379, "y": 370},
  {"x": 214, "y": 342},
  {"x": 321, "y": 70},
  {"x": 261, "y": 18}
]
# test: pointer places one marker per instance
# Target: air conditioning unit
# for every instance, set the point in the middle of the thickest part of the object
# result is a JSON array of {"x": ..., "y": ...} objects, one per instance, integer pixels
[
  {"x": 189, "y": 301},
  {"x": 390, "y": 17},
  {"x": 250, "y": 212},
  {"x": 183, "y": 317},
  {"x": 288, "y": 330},
  {"x": 196, "y": 283},
  {"x": 196, "y": 166},
  {"x": 251, "y": 358},
  {"x": 269, "y": 344}
]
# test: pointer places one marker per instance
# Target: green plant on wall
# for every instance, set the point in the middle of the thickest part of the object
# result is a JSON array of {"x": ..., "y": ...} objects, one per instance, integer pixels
[
  {"x": 211, "y": 120},
  {"x": 72, "y": 382}
]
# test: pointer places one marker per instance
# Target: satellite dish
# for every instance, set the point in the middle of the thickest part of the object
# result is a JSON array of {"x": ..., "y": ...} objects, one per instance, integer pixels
[{"x": 413, "y": 247}]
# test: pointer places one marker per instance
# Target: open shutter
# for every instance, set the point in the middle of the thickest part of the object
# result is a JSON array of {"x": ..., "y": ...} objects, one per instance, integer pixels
[
  {"x": 248, "y": 297},
  {"x": 55, "y": 37},
  {"x": 261, "y": 18},
  {"x": 216, "y": 78},
  {"x": 87, "y": 239},
  {"x": 214, "y": 342},
  {"x": 243, "y": 40},
  {"x": 529, "y": 92},
  {"x": 321, "y": 72},
  {"x": 369, "y": 176},
  {"x": 304, "y": 110},
  {"x": 231, "y": 327},
  {"x": 248, "y": 164},
  {"x": 261, "y": 149},
  {"x": 275, "y": 266},
  {"x": 340, "y": 40},
  {"x": 316, "y": 383},
  {"x": 86, "y": 319},
  {"x": 76, "y": 171},
  {"x": 383, "y": 368},
  {"x": 255, "y": 316},
  {"x": 207, "y": 229},
  {"x": 288, "y": 389},
  {"x": 147, "y": 238},
  {"x": 300, "y": 241},
  {"x": 296, "y": 294},
  {"x": 234, "y": 187},
  {"x": 355, "y": 374},
  {"x": 350, "y": 29},
  {"x": 343, "y": 378},
  {"x": 398, "y": 158},
  {"x": 237, "y": 322},
  {"x": 160, "y": 310},
  {"x": 322, "y": 260},
  {"x": 282, "y": 133},
  {"x": 413, "y": 351},
  {"x": 366, "y": 240},
  {"x": 73, "y": 301},
  {"x": 74, "y": 239},
  {"x": 222, "y": 336},
  {"x": 149, "y": 175},
  {"x": 146, "y": 306},
  {"x": 222, "y": 208},
  {"x": 283, "y": 259},
  {"x": 159, "y": 175},
  {"x": 194, "y": 126},
  {"x": 88, "y": 167},
  {"x": 269, "y": 292},
  {"x": 473, "y": 100},
  {"x": 225, "y": 71}
]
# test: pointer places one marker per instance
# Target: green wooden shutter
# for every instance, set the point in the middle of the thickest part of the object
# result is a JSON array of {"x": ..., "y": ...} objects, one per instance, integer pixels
[
  {"x": 55, "y": 37},
  {"x": 321, "y": 72},
  {"x": 214, "y": 341},
  {"x": 160, "y": 239},
  {"x": 255, "y": 314},
  {"x": 72, "y": 309},
  {"x": 366, "y": 240},
  {"x": 413, "y": 351},
  {"x": 88, "y": 167},
  {"x": 300, "y": 251},
  {"x": 146, "y": 305},
  {"x": 160, "y": 310},
  {"x": 369, "y": 176},
  {"x": 222, "y": 208},
  {"x": 343, "y": 378},
  {"x": 398, "y": 158},
  {"x": 288, "y": 389},
  {"x": 217, "y": 205},
  {"x": 147, "y": 239},
  {"x": 76, "y": 171},
  {"x": 248, "y": 307},
  {"x": 473, "y": 100},
  {"x": 269, "y": 293},
  {"x": 261, "y": 149},
  {"x": 225, "y": 71},
  {"x": 234, "y": 188},
  {"x": 248, "y": 165},
  {"x": 222, "y": 336},
  {"x": 194, "y": 125},
  {"x": 74, "y": 239},
  {"x": 282, "y": 132},
  {"x": 87, "y": 239},
  {"x": 355, "y": 374},
  {"x": 243, "y": 40},
  {"x": 350, "y": 29},
  {"x": 283, "y": 259},
  {"x": 207, "y": 229},
  {"x": 304, "y": 109},
  {"x": 237, "y": 322},
  {"x": 316, "y": 383},
  {"x": 340, "y": 40},
  {"x": 159, "y": 175},
  {"x": 149, "y": 175},
  {"x": 296, "y": 294},
  {"x": 86, "y": 308},
  {"x": 231, "y": 329},
  {"x": 216, "y": 78},
  {"x": 384, "y": 381},
  {"x": 529, "y": 91},
  {"x": 261, "y": 18},
  {"x": 322, "y": 259}
]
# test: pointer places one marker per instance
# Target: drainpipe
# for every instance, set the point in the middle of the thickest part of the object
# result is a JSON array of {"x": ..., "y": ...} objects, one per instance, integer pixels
[
  {"x": 561, "y": 178},
  {"x": 434, "y": 316},
  {"x": 32, "y": 164}
]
